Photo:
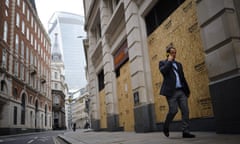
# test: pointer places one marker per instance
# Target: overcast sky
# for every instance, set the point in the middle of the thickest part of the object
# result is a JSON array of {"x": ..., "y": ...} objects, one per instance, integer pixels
[{"x": 46, "y": 8}]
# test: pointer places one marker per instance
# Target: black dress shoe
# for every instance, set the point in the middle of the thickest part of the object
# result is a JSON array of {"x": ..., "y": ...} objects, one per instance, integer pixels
[
  {"x": 188, "y": 135},
  {"x": 166, "y": 132}
]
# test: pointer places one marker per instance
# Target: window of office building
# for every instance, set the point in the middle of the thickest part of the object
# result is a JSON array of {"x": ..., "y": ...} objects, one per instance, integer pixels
[
  {"x": 27, "y": 55},
  {"x": 16, "y": 68},
  {"x": 31, "y": 58},
  {"x": 35, "y": 60},
  {"x": 39, "y": 48},
  {"x": 31, "y": 118},
  {"x": 28, "y": 15},
  {"x": 27, "y": 78},
  {"x": 22, "y": 72},
  {"x": 3, "y": 86},
  {"x": 55, "y": 75},
  {"x": 23, "y": 109},
  {"x": 56, "y": 86},
  {"x": 4, "y": 58},
  {"x": 101, "y": 80},
  {"x": 23, "y": 7},
  {"x": 42, "y": 119},
  {"x": 18, "y": 2},
  {"x": 35, "y": 44},
  {"x": 27, "y": 34},
  {"x": 6, "y": 13},
  {"x": 32, "y": 79},
  {"x": 16, "y": 44},
  {"x": 160, "y": 12},
  {"x": 7, "y": 3},
  {"x": 35, "y": 27},
  {"x": 23, "y": 27},
  {"x": 36, "y": 113},
  {"x": 32, "y": 21},
  {"x": 15, "y": 93},
  {"x": 17, "y": 20},
  {"x": 56, "y": 100},
  {"x": 5, "y": 31},
  {"x": 15, "y": 115},
  {"x": 22, "y": 48},
  {"x": 45, "y": 115},
  {"x": 31, "y": 39}
]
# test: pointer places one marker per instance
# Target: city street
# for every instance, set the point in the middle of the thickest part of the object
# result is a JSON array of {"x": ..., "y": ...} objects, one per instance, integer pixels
[{"x": 49, "y": 137}]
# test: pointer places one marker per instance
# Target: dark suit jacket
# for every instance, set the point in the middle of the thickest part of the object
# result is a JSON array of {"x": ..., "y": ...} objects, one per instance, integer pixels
[{"x": 169, "y": 78}]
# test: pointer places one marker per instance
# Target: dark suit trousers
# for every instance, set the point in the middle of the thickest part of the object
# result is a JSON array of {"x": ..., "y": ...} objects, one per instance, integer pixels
[{"x": 179, "y": 99}]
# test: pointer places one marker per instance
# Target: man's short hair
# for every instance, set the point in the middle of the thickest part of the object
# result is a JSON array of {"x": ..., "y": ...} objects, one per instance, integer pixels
[{"x": 169, "y": 47}]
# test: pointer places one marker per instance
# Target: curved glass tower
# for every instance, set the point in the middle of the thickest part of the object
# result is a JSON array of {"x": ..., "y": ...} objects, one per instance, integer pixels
[{"x": 69, "y": 28}]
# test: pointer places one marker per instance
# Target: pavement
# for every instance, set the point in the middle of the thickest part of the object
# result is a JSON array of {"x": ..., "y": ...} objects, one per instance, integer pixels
[{"x": 88, "y": 136}]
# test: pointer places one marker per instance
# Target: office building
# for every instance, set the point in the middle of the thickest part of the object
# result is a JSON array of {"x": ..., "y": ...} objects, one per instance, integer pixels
[
  {"x": 69, "y": 28},
  {"x": 25, "y": 55},
  {"x": 59, "y": 87},
  {"x": 80, "y": 110},
  {"x": 127, "y": 39}
]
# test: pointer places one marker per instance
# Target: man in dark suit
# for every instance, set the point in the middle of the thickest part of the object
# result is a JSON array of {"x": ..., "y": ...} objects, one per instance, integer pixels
[{"x": 176, "y": 90}]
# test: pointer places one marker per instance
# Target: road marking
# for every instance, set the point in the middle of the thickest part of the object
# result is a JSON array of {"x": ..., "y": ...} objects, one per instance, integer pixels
[
  {"x": 30, "y": 141},
  {"x": 43, "y": 139}
]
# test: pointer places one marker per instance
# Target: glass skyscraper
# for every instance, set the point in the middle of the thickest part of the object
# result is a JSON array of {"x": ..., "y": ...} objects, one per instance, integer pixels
[{"x": 70, "y": 29}]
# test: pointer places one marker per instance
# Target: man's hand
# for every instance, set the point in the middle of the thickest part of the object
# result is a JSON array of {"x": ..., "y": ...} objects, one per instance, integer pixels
[{"x": 170, "y": 58}]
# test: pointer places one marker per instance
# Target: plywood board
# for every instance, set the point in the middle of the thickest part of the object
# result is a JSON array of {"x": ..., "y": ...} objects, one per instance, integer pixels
[{"x": 181, "y": 29}]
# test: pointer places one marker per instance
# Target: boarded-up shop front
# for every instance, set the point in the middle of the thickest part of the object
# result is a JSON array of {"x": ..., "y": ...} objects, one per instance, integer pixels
[
  {"x": 182, "y": 30},
  {"x": 124, "y": 89}
]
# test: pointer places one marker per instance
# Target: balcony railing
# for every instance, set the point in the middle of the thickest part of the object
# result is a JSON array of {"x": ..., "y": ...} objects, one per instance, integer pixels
[{"x": 43, "y": 78}]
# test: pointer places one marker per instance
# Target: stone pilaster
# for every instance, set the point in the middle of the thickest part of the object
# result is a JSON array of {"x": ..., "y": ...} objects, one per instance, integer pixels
[
  {"x": 219, "y": 23},
  {"x": 93, "y": 93},
  {"x": 109, "y": 75},
  {"x": 139, "y": 66}
]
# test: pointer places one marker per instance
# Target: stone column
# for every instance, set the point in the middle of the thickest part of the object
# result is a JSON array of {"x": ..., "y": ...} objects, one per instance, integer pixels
[
  {"x": 139, "y": 68},
  {"x": 93, "y": 93},
  {"x": 109, "y": 74},
  {"x": 220, "y": 31},
  {"x": 110, "y": 88}
]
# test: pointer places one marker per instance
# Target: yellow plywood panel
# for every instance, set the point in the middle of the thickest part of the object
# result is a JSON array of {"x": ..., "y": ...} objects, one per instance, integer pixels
[
  {"x": 181, "y": 29},
  {"x": 125, "y": 98},
  {"x": 103, "y": 110}
]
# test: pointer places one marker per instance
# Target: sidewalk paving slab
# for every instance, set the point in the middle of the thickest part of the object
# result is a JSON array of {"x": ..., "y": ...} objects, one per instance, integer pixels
[{"x": 91, "y": 137}]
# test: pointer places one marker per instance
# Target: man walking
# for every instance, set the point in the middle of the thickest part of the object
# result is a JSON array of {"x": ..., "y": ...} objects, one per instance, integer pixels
[{"x": 176, "y": 90}]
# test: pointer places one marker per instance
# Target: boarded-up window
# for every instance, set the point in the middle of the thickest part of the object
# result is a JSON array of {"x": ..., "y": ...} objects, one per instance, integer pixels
[{"x": 160, "y": 12}]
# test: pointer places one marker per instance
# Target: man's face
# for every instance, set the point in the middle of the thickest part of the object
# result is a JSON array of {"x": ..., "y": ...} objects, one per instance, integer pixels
[{"x": 173, "y": 53}]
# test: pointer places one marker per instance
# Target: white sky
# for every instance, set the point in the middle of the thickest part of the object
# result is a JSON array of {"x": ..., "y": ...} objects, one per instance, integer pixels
[{"x": 46, "y": 8}]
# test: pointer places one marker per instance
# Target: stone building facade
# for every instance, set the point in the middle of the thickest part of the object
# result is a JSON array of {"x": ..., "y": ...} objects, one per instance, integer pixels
[
  {"x": 25, "y": 96},
  {"x": 59, "y": 86},
  {"x": 127, "y": 39},
  {"x": 79, "y": 109}
]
